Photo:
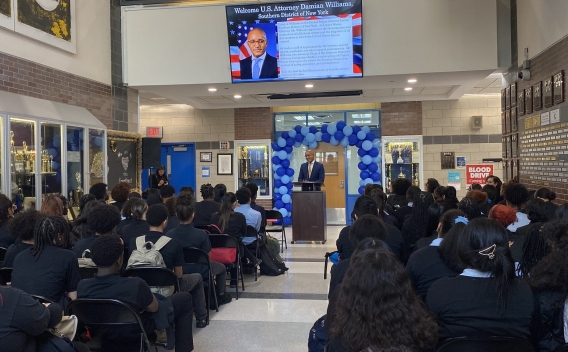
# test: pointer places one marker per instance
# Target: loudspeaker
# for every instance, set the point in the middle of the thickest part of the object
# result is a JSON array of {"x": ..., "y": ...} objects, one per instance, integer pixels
[
  {"x": 151, "y": 152},
  {"x": 476, "y": 122}
]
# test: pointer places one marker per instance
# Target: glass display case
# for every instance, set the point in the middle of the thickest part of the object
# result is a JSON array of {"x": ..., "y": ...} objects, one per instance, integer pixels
[
  {"x": 75, "y": 166},
  {"x": 96, "y": 156},
  {"x": 23, "y": 162},
  {"x": 253, "y": 165},
  {"x": 50, "y": 159},
  {"x": 402, "y": 157}
]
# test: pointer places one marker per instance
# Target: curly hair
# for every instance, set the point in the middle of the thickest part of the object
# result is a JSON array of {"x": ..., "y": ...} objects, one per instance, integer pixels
[
  {"x": 120, "y": 192},
  {"x": 534, "y": 249},
  {"x": 431, "y": 185},
  {"x": 185, "y": 207},
  {"x": 106, "y": 250},
  {"x": 415, "y": 227},
  {"x": 187, "y": 189},
  {"x": 551, "y": 273},
  {"x": 167, "y": 191},
  {"x": 52, "y": 205},
  {"x": 156, "y": 214},
  {"x": 400, "y": 186},
  {"x": 378, "y": 308},
  {"x": 536, "y": 210},
  {"x": 479, "y": 196},
  {"x": 103, "y": 219},
  {"x": 503, "y": 214},
  {"x": 243, "y": 195},
  {"x": 23, "y": 224},
  {"x": 470, "y": 207},
  {"x": 207, "y": 191},
  {"x": 516, "y": 194},
  {"x": 51, "y": 230},
  {"x": 5, "y": 207},
  {"x": 99, "y": 190}
]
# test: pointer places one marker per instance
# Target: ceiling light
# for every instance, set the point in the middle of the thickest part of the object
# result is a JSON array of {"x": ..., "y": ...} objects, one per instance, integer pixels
[
  {"x": 212, "y": 89},
  {"x": 158, "y": 98},
  {"x": 412, "y": 80},
  {"x": 237, "y": 96},
  {"x": 309, "y": 86},
  {"x": 408, "y": 89}
]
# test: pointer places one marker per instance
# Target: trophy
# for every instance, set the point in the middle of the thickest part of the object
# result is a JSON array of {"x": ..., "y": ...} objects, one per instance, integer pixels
[
  {"x": 256, "y": 173},
  {"x": 401, "y": 174},
  {"x": 77, "y": 193},
  {"x": 400, "y": 151}
]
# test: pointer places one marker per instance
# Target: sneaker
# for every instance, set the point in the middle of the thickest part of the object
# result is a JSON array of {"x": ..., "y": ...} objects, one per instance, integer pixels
[{"x": 201, "y": 323}]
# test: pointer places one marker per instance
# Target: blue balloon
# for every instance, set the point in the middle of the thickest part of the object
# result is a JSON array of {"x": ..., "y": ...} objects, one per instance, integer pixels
[
  {"x": 276, "y": 167},
  {"x": 377, "y": 143},
  {"x": 313, "y": 145},
  {"x": 318, "y": 136},
  {"x": 288, "y": 207},
  {"x": 276, "y": 177},
  {"x": 367, "y": 159},
  {"x": 285, "y": 179},
  {"x": 373, "y": 152},
  {"x": 359, "y": 144},
  {"x": 283, "y": 211},
  {"x": 298, "y": 128},
  {"x": 373, "y": 167},
  {"x": 347, "y": 130},
  {"x": 304, "y": 131},
  {"x": 287, "y": 221},
  {"x": 345, "y": 142},
  {"x": 375, "y": 176},
  {"x": 290, "y": 142},
  {"x": 288, "y": 149},
  {"x": 297, "y": 144},
  {"x": 55, "y": 165},
  {"x": 310, "y": 137},
  {"x": 281, "y": 171},
  {"x": 340, "y": 125},
  {"x": 57, "y": 142},
  {"x": 283, "y": 190},
  {"x": 324, "y": 128},
  {"x": 281, "y": 142},
  {"x": 290, "y": 156},
  {"x": 290, "y": 172},
  {"x": 377, "y": 159},
  {"x": 299, "y": 138},
  {"x": 356, "y": 129},
  {"x": 361, "y": 135},
  {"x": 292, "y": 133},
  {"x": 284, "y": 135},
  {"x": 277, "y": 196},
  {"x": 368, "y": 180},
  {"x": 361, "y": 152},
  {"x": 331, "y": 128},
  {"x": 338, "y": 135},
  {"x": 313, "y": 129},
  {"x": 362, "y": 166},
  {"x": 333, "y": 141},
  {"x": 279, "y": 204},
  {"x": 285, "y": 164},
  {"x": 52, "y": 152},
  {"x": 275, "y": 160},
  {"x": 282, "y": 154},
  {"x": 370, "y": 137},
  {"x": 326, "y": 137},
  {"x": 362, "y": 183},
  {"x": 363, "y": 175},
  {"x": 367, "y": 145},
  {"x": 286, "y": 198},
  {"x": 278, "y": 183},
  {"x": 99, "y": 141},
  {"x": 353, "y": 139},
  {"x": 366, "y": 129},
  {"x": 305, "y": 142},
  {"x": 275, "y": 147},
  {"x": 289, "y": 185},
  {"x": 361, "y": 190}
]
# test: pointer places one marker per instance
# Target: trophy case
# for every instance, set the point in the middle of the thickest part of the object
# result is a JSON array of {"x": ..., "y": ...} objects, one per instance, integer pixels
[
  {"x": 253, "y": 165},
  {"x": 402, "y": 157}
]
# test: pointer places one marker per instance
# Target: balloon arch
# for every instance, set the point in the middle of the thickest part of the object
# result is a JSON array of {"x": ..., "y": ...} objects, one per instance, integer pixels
[{"x": 333, "y": 133}]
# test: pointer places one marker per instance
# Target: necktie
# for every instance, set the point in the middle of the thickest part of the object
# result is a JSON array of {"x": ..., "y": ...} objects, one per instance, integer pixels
[
  {"x": 256, "y": 69},
  {"x": 309, "y": 170}
]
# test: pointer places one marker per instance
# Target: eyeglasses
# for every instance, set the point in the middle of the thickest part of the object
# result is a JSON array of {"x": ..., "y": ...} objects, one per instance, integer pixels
[{"x": 254, "y": 42}]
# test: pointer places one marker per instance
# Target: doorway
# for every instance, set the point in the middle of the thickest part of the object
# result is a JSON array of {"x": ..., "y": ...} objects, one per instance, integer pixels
[
  {"x": 333, "y": 160},
  {"x": 179, "y": 160}
]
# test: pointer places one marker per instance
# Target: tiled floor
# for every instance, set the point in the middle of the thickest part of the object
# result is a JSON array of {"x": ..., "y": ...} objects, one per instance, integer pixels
[{"x": 274, "y": 313}]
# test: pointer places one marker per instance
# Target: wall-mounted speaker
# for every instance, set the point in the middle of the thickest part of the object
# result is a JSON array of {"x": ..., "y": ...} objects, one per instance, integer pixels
[
  {"x": 476, "y": 122},
  {"x": 151, "y": 152}
]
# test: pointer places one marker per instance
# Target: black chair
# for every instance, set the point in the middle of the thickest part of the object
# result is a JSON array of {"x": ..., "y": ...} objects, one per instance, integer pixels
[
  {"x": 563, "y": 348},
  {"x": 327, "y": 255},
  {"x": 154, "y": 276},
  {"x": 87, "y": 272},
  {"x": 486, "y": 344},
  {"x": 2, "y": 255},
  {"x": 202, "y": 227},
  {"x": 104, "y": 315},
  {"x": 228, "y": 242},
  {"x": 197, "y": 261},
  {"x": 5, "y": 276},
  {"x": 275, "y": 215}
]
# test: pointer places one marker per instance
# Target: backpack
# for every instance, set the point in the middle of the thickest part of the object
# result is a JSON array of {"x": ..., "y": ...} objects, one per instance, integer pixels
[
  {"x": 274, "y": 246},
  {"x": 85, "y": 262},
  {"x": 148, "y": 254},
  {"x": 318, "y": 336},
  {"x": 270, "y": 266}
]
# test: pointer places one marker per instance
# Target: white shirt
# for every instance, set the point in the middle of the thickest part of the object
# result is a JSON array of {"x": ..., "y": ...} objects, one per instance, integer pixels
[
  {"x": 436, "y": 242},
  {"x": 260, "y": 63},
  {"x": 475, "y": 273},
  {"x": 522, "y": 220}
]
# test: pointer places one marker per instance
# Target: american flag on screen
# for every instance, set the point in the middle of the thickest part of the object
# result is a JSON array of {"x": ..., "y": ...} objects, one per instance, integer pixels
[{"x": 239, "y": 50}]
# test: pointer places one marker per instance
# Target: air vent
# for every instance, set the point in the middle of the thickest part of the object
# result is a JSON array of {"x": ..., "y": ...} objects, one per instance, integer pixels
[{"x": 343, "y": 93}]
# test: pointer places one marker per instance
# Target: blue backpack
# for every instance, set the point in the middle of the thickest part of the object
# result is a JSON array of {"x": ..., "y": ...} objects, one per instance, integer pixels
[{"x": 318, "y": 336}]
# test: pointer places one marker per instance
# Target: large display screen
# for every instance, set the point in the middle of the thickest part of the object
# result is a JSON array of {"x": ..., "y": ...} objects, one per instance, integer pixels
[{"x": 295, "y": 40}]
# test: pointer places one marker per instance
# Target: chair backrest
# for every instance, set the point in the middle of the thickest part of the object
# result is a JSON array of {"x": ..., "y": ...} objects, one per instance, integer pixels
[
  {"x": 154, "y": 276},
  {"x": 563, "y": 348},
  {"x": 214, "y": 229},
  {"x": 5, "y": 275},
  {"x": 224, "y": 249},
  {"x": 2, "y": 253},
  {"x": 87, "y": 272},
  {"x": 273, "y": 214},
  {"x": 486, "y": 344},
  {"x": 195, "y": 256}
]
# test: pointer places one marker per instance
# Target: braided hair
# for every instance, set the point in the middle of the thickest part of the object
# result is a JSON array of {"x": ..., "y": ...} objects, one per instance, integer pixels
[
  {"x": 470, "y": 207},
  {"x": 534, "y": 249},
  {"x": 415, "y": 227},
  {"x": 50, "y": 231}
]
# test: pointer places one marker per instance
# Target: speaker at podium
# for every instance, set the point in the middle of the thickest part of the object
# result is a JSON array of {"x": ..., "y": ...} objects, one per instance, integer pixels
[{"x": 309, "y": 213}]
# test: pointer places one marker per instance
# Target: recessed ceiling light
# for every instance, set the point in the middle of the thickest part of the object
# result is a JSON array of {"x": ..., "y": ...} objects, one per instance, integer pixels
[
  {"x": 309, "y": 86},
  {"x": 408, "y": 89},
  {"x": 237, "y": 96},
  {"x": 212, "y": 89},
  {"x": 412, "y": 80},
  {"x": 158, "y": 98}
]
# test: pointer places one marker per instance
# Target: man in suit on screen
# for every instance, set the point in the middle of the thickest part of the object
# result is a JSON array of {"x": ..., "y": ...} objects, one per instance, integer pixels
[
  {"x": 260, "y": 64},
  {"x": 311, "y": 171}
]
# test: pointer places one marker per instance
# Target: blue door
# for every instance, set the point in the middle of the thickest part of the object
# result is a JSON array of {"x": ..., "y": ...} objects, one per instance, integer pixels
[{"x": 179, "y": 160}]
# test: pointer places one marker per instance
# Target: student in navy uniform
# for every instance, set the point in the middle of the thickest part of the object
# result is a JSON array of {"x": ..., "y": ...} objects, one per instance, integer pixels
[
  {"x": 138, "y": 209},
  {"x": 107, "y": 253},
  {"x": 102, "y": 220},
  {"x": 207, "y": 207},
  {"x": 22, "y": 225}
]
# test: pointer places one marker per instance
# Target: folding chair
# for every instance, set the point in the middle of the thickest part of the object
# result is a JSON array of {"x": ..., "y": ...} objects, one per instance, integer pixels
[
  {"x": 2, "y": 255},
  {"x": 104, "y": 315},
  {"x": 154, "y": 276},
  {"x": 225, "y": 250},
  {"x": 202, "y": 227},
  {"x": 327, "y": 255},
  {"x": 273, "y": 215},
  {"x": 486, "y": 344},
  {"x": 195, "y": 261},
  {"x": 5, "y": 276}
]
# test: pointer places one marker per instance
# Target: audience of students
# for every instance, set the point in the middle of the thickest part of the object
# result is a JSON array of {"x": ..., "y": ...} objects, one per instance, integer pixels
[
  {"x": 102, "y": 221},
  {"x": 516, "y": 196},
  {"x": 119, "y": 194},
  {"x": 414, "y": 227},
  {"x": 138, "y": 209},
  {"x": 253, "y": 187},
  {"x": 22, "y": 226},
  {"x": 397, "y": 198},
  {"x": 207, "y": 207},
  {"x": 6, "y": 213}
]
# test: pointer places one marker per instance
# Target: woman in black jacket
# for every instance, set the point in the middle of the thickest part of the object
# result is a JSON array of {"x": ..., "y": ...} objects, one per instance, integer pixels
[{"x": 159, "y": 178}]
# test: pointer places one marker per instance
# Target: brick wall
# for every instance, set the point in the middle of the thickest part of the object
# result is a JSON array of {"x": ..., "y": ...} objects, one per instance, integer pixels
[
  {"x": 253, "y": 123},
  {"x": 401, "y": 118},
  {"x": 35, "y": 80}
]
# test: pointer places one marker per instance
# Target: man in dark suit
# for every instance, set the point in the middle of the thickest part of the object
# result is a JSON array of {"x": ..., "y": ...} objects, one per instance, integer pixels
[
  {"x": 311, "y": 171},
  {"x": 260, "y": 64}
]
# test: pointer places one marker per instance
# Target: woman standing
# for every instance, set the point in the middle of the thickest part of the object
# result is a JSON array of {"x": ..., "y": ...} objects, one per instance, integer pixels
[{"x": 159, "y": 178}]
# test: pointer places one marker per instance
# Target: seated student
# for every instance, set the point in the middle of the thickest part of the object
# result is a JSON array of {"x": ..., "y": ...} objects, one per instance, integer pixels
[
  {"x": 405, "y": 210},
  {"x": 253, "y": 187},
  {"x": 486, "y": 299},
  {"x": 48, "y": 269},
  {"x": 80, "y": 228},
  {"x": 119, "y": 194},
  {"x": 125, "y": 216},
  {"x": 364, "y": 205},
  {"x": 449, "y": 198},
  {"x": 366, "y": 226},
  {"x": 428, "y": 264},
  {"x": 172, "y": 253},
  {"x": 435, "y": 211},
  {"x": 414, "y": 227},
  {"x": 381, "y": 199},
  {"x": 394, "y": 238},
  {"x": 516, "y": 195},
  {"x": 99, "y": 190},
  {"x": 253, "y": 217},
  {"x": 547, "y": 196},
  {"x": 530, "y": 238},
  {"x": 375, "y": 309},
  {"x": 6, "y": 213},
  {"x": 138, "y": 209},
  {"x": 207, "y": 207},
  {"x": 189, "y": 190},
  {"x": 102, "y": 220},
  {"x": 107, "y": 253},
  {"x": 22, "y": 226},
  {"x": 220, "y": 191},
  {"x": 398, "y": 190},
  {"x": 173, "y": 220},
  {"x": 190, "y": 237}
]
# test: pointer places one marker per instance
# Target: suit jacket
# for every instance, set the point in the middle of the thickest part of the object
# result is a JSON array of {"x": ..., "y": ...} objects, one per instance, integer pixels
[
  {"x": 318, "y": 173},
  {"x": 269, "y": 68}
]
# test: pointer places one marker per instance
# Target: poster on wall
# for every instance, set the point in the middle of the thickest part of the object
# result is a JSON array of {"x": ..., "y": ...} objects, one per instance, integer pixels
[
  {"x": 476, "y": 173},
  {"x": 454, "y": 179},
  {"x": 122, "y": 160},
  {"x": 460, "y": 162}
]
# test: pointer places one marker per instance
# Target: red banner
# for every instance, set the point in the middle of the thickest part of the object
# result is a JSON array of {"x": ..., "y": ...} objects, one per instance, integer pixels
[{"x": 476, "y": 173}]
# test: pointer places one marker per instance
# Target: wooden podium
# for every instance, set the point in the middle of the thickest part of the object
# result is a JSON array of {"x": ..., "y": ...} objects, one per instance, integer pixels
[{"x": 309, "y": 213}]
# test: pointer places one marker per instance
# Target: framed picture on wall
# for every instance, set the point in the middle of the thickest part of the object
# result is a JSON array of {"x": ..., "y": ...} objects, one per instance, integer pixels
[
  {"x": 514, "y": 94},
  {"x": 521, "y": 103},
  {"x": 503, "y": 123},
  {"x": 514, "y": 121},
  {"x": 504, "y": 147},
  {"x": 503, "y": 99},
  {"x": 507, "y": 121},
  {"x": 224, "y": 164},
  {"x": 508, "y": 98},
  {"x": 558, "y": 87},
  {"x": 206, "y": 157},
  {"x": 547, "y": 94},
  {"x": 537, "y": 96},
  {"x": 124, "y": 158},
  {"x": 528, "y": 100}
]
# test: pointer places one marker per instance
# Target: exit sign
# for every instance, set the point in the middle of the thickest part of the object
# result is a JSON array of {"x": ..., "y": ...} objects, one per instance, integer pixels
[{"x": 154, "y": 132}]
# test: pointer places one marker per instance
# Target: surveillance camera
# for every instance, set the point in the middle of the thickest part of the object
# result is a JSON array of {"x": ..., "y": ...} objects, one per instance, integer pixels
[{"x": 525, "y": 75}]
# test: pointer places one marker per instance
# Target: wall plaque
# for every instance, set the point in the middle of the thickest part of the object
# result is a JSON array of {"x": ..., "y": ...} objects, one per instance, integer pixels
[
  {"x": 537, "y": 96},
  {"x": 514, "y": 94},
  {"x": 521, "y": 103},
  {"x": 558, "y": 87},
  {"x": 508, "y": 97},
  {"x": 547, "y": 94},
  {"x": 503, "y": 99},
  {"x": 448, "y": 160},
  {"x": 507, "y": 121},
  {"x": 514, "y": 120},
  {"x": 528, "y": 100}
]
